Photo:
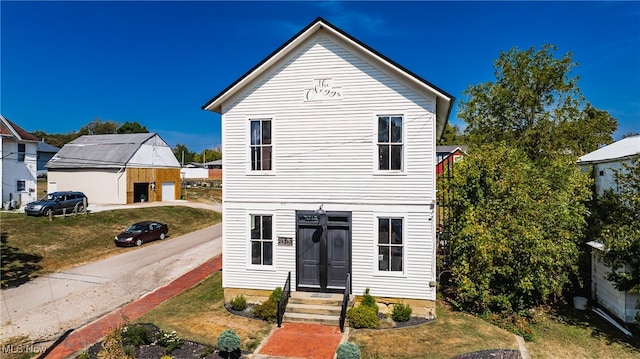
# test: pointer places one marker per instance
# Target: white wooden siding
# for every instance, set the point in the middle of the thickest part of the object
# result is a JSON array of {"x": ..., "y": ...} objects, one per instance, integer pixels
[
  {"x": 621, "y": 304},
  {"x": 325, "y": 153}
]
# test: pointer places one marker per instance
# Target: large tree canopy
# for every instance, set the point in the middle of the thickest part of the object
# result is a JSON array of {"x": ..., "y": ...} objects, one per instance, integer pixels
[
  {"x": 535, "y": 105},
  {"x": 515, "y": 240},
  {"x": 520, "y": 215}
]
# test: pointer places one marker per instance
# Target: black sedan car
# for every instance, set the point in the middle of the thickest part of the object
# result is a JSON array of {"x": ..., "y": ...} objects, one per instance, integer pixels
[{"x": 141, "y": 232}]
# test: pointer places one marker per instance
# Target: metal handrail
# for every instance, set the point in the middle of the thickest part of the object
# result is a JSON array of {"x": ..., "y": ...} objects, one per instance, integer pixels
[
  {"x": 284, "y": 299},
  {"x": 345, "y": 302}
]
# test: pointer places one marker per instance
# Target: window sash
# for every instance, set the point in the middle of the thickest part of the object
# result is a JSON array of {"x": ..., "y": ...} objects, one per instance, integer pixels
[
  {"x": 261, "y": 240},
  {"x": 390, "y": 244},
  {"x": 260, "y": 145},
  {"x": 390, "y": 143},
  {"x": 21, "y": 152}
]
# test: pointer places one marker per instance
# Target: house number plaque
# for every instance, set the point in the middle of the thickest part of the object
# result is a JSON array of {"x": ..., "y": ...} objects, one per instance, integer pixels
[{"x": 285, "y": 241}]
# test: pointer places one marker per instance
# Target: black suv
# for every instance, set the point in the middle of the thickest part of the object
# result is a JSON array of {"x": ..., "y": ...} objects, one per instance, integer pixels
[{"x": 56, "y": 203}]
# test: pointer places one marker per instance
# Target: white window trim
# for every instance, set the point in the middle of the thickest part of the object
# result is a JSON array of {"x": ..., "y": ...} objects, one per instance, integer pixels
[
  {"x": 248, "y": 170},
  {"x": 261, "y": 267},
  {"x": 376, "y": 164},
  {"x": 376, "y": 271}
]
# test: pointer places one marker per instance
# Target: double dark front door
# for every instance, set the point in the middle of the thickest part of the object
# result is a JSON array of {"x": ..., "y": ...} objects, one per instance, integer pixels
[{"x": 323, "y": 249}]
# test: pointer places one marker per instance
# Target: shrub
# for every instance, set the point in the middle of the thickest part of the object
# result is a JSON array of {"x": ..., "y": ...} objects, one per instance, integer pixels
[
  {"x": 84, "y": 355},
  {"x": 136, "y": 335},
  {"x": 268, "y": 310},
  {"x": 130, "y": 351},
  {"x": 112, "y": 346},
  {"x": 275, "y": 295},
  {"x": 348, "y": 350},
  {"x": 363, "y": 316},
  {"x": 369, "y": 301},
  {"x": 169, "y": 340},
  {"x": 401, "y": 312},
  {"x": 228, "y": 341},
  {"x": 239, "y": 303}
]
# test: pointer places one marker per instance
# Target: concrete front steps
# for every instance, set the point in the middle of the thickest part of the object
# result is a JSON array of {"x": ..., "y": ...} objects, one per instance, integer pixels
[{"x": 314, "y": 308}]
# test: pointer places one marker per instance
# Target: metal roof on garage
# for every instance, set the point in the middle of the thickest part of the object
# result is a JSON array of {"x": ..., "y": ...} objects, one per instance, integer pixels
[{"x": 99, "y": 151}]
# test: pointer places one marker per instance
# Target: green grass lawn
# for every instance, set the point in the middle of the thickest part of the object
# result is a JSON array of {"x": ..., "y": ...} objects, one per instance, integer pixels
[
  {"x": 33, "y": 246},
  {"x": 198, "y": 314}
]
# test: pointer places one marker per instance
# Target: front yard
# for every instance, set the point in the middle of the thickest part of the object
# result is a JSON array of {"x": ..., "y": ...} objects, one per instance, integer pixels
[{"x": 199, "y": 315}]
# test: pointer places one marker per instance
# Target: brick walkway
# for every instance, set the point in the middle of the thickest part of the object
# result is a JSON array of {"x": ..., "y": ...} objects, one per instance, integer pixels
[
  {"x": 303, "y": 340},
  {"x": 94, "y": 332}
]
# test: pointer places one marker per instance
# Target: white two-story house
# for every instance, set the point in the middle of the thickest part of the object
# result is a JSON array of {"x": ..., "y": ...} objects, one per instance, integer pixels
[
  {"x": 329, "y": 170},
  {"x": 18, "y": 162}
]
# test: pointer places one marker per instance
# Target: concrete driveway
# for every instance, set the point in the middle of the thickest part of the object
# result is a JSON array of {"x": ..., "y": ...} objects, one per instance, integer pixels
[{"x": 46, "y": 307}]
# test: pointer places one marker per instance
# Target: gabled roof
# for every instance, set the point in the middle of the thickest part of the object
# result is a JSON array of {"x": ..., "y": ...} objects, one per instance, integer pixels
[
  {"x": 451, "y": 149},
  {"x": 45, "y": 147},
  {"x": 99, "y": 151},
  {"x": 10, "y": 129},
  {"x": 620, "y": 150},
  {"x": 444, "y": 100}
]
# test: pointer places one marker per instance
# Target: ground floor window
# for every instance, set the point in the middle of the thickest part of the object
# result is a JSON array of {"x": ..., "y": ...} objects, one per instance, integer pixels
[
  {"x": 261, "y": 240},
  {"x": 390, "y": 244},
  {"x": 22, "y": 186}
]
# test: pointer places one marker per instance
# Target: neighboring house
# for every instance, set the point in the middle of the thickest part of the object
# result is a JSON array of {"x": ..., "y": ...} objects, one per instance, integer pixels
[
  {"x": 448, "y": 155},
  {"x": 209, "y": 170},
  {"x": 45, "y": 153},
  {"x": 18, "y": 165},
  {"x": 117, "y": 169},
  {"x": 329, "y": 170},
  {"x": 603, "y": 164}
]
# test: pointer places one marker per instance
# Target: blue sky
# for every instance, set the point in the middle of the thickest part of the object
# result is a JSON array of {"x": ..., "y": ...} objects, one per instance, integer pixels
[{"x": 64, "y": 64}]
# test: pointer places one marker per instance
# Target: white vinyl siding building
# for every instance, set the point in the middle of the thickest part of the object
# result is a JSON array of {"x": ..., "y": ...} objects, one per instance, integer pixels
[
  {"x": 18, "y": 165},
  {"x": 324, "y": 98},
  {"x": 603, "y": 164}
]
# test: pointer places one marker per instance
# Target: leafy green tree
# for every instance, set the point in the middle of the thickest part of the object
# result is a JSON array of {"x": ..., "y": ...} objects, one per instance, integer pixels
[
  {"x": 208, "y": 155},
  {"x": 452, "y": 135},
  {"x": 617, "y": 217},
  {"x": 131, "y": 127},
  {"x": 535, "y": 105},
  {"x": 56, "y": 139},
  {"x": 183, "y": 154},
  {"x": 517, "y": 230},
  {"x": 99, "y": 127}
]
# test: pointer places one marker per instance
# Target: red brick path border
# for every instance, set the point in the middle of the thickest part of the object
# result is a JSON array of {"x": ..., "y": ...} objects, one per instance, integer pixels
[{"x": 94, "y": 332}]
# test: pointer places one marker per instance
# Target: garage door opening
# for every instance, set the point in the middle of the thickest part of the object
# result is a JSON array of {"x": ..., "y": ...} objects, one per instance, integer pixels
[{"x": 141, "y": 192}]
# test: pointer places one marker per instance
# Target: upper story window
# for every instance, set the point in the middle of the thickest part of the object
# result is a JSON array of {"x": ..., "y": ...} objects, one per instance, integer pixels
[
  {"x": 390, "y": 245},
  {"x": 390, "y": 143},
  {"x": 261, "y": 240},
  {"x": 261, "y": 147},
  {"x": 21, "y": 152}
]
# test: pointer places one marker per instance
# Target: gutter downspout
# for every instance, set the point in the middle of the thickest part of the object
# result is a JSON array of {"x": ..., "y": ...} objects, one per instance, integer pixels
[{"x": 120, "y": 173}]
